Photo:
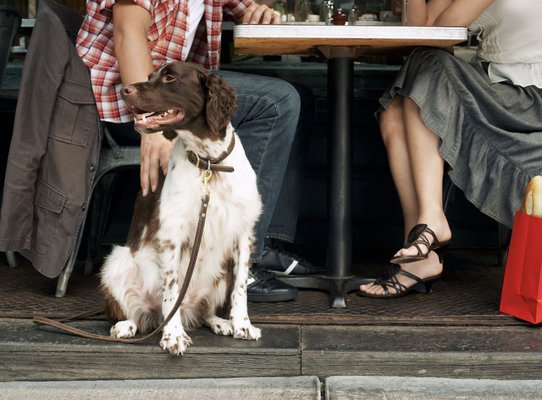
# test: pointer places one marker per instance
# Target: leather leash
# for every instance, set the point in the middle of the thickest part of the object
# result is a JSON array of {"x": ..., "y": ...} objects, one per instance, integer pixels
[{"x": 60, "y": 324}]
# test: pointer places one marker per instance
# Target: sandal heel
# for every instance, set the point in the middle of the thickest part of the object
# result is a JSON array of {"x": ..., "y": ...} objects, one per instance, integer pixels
[{"x": 425, "y": 287}]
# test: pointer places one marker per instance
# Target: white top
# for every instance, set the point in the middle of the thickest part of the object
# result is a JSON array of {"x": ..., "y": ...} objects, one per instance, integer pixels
[
  {"x": 195, "y": 13},
  {"x": 510, "y": 35}
]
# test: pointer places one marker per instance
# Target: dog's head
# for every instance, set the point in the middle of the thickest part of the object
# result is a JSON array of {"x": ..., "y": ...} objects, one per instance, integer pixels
[{"x": 181, "y": 95}]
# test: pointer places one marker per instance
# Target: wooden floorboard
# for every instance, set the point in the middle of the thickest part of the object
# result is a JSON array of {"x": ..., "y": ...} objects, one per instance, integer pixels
[
  {"x": 455, "y": 332},
  {"x": 453, "y": 352},
  {"x": 29, "y": 352}
]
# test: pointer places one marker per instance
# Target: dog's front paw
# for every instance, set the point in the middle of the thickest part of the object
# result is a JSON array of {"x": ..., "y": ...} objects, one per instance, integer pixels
[
  {"x": 246, "y": 331},
  {"x": 219, "y": 326},
  {"x": 175, "y": 343},
  {"x": 124, "y": 329}
]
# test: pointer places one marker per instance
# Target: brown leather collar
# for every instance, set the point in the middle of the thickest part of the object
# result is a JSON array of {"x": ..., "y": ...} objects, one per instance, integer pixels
[{"x": 213, "y": 164}]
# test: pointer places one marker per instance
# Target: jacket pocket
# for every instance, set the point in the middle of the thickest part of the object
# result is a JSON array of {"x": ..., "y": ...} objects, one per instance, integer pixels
[
  {"x": 75, "y": 115},
  {"x": 49, "y": 204}
]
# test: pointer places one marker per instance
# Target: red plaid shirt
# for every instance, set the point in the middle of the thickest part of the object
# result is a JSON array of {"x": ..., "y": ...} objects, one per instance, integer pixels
[{"x": 166, "y": 37}]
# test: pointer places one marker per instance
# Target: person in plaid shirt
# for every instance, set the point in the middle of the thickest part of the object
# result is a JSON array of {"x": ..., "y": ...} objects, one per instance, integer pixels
[{"x": 123, "y": 41}]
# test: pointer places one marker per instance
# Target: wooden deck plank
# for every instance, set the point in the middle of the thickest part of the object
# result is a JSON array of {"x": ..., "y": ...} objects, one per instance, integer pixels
[
  {"x": 29, "y": 352},
  {"x": 459, "y": 352}
]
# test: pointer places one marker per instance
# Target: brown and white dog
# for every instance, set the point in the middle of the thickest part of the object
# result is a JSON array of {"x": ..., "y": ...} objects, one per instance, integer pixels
[{"x": 141, "y": 280}]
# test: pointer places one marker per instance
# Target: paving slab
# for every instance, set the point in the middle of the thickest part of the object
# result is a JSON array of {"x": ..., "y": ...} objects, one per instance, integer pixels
[
  {"x": 399, "y": 388},
  {"x": 292, "y": 388}
]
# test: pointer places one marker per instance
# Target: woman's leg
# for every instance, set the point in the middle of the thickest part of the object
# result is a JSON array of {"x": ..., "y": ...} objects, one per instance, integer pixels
[
  {"x": 428, "y": 171},
  {"x": 392, "y": 129},
  {"x": 417, "y": 170}
]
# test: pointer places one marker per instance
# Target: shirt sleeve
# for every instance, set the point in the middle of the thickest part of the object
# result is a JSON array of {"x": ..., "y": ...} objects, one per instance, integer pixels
[
  {"x": 235, "y": 9},
  {"x": 146, "y": 4}
]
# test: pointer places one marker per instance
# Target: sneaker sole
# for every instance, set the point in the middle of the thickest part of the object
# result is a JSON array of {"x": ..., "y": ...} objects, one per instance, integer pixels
[
  {"x": 281, "y": 273},
  {"x": 275, "y": 298}
]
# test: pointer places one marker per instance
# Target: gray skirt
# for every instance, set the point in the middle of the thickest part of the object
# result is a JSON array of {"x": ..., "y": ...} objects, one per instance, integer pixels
[{"x": 491, "y": 132}]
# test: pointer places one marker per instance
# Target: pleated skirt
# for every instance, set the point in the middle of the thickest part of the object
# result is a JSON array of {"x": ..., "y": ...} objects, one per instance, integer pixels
[{"x": 491, "y": 133}]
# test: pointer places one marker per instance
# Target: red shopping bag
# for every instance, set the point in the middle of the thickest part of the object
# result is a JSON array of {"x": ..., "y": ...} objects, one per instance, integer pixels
[{"x": 522, "y": 287}]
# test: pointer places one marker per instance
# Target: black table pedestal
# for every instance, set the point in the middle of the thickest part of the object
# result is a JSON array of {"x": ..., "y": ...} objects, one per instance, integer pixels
[{"x": 338, "y": 280}]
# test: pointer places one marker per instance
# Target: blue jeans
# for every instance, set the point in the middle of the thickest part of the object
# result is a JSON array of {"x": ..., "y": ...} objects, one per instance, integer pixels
[
  {"x": 266, "y": 121},
  {"x": 283, "y": 224}
]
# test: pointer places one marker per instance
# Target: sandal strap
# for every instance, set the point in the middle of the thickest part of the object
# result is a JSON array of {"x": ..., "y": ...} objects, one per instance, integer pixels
[
  {"x": 390, "y": 281},
  {"x": 411, "y": 276},
  {"x": 414, "y": 233},
  {"x": 416, "y": 238}
]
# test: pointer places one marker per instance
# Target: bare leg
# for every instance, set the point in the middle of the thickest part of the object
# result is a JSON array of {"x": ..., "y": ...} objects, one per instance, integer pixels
[
  {"x": 416, "y": 167},
  {"x": 428, "y": 170},
  {"x": 393, "y": 133}
]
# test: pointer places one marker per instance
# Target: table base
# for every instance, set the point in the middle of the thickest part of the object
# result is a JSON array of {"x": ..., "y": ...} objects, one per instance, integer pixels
[{"x": 337, "y": 287}]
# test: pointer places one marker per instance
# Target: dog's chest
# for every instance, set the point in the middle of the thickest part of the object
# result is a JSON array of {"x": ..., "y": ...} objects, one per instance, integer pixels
[{"x": 181, "y": 203}]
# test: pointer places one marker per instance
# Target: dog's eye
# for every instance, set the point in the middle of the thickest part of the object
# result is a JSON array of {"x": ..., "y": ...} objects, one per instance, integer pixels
[{"x": 168, "y": 78}]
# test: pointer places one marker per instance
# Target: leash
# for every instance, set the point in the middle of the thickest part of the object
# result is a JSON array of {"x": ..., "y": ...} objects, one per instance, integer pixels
[{"x": 206, "y": 177}]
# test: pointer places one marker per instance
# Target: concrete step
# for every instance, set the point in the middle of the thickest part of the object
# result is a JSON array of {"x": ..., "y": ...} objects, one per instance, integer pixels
[
  {"x": 294, "y": 388},
  {"x": 397, "y": 388},
  {"x": 279, "y": 388}
]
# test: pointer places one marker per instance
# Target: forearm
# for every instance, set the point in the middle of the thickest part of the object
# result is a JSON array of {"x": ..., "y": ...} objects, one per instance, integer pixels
[
  {"x": 416, "y": 12},
  {"x": 445, "y": 12},
  {"x": 133, "y": 56},
  {"x": 422, "y": 12},
  {"x": 130, "y": 24},
  {"x": 462, "y": 12}
]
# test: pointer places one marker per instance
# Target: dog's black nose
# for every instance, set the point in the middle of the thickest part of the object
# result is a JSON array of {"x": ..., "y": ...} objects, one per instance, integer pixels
[{"x": 128, "y": 90}]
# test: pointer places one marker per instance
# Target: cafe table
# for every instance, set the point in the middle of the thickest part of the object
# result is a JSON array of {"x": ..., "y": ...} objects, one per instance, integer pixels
[{"x": 340, "y": 45}]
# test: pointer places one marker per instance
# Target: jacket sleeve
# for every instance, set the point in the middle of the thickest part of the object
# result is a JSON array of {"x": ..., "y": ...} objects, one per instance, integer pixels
[{"x": 48, "y": 55}]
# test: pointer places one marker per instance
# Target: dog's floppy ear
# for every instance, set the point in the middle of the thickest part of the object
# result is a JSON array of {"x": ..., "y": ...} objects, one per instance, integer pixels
[{"x": 220, "y": 104}]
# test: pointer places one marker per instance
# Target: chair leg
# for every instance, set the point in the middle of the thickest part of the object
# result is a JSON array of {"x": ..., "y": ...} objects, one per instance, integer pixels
[
  {"x": 12, "y": 259},
  {"x": 62, "y": 285}
]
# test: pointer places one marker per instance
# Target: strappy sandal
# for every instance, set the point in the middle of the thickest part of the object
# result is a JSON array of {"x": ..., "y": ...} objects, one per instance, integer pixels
[
  {"x": 390, "y": 281},
  {"x": 416, "y": 237}
]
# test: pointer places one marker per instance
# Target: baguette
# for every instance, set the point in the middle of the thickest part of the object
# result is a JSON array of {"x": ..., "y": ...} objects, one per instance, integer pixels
[{"x": 532, "y": 202}]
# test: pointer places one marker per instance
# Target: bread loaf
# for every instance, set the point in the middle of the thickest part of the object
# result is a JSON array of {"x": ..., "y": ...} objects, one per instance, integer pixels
[{"x": 532, "y": 202}]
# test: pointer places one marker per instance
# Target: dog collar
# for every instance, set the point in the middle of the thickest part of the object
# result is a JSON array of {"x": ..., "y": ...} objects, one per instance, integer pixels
[{"x": 213, "y": 164}]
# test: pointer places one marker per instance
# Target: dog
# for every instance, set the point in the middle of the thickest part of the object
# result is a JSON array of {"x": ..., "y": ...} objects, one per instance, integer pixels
[{"x": 141, "y": 280}]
